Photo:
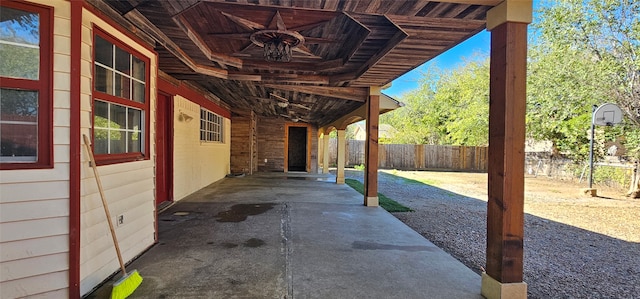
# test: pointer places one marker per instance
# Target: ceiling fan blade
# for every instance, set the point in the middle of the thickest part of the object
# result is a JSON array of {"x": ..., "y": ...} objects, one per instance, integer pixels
[
  {"x": 300, "y": 106},
  {"x": 277, "y": 23},
  {"x": 243, "y": 22},
  {"x": 279, "y": 97}
]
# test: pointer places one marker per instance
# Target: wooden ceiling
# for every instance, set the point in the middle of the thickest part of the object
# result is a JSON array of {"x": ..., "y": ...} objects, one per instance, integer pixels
[{"x": 347, "y": 46}]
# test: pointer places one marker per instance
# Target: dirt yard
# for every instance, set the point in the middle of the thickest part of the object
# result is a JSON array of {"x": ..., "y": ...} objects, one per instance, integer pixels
[
  {"x": 611, "y": 213},
  {"x": 575, "y": 247}
]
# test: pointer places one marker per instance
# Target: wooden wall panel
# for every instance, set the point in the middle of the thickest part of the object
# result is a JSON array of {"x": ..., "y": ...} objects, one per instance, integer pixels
[
  {"x": 270, "y": 144},
  {"x": 244, "y": 157}
]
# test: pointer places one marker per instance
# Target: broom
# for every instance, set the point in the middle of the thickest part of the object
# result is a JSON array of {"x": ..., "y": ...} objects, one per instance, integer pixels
[{"x": 126, "y": 285}]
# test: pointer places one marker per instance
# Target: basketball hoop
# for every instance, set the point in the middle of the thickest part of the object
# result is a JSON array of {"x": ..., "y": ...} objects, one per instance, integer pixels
[{"x": 606, "y": 115}]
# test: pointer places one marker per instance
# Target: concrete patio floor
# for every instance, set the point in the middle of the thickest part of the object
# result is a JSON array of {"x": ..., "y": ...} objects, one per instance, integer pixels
[{"x": 296, "y": 235}]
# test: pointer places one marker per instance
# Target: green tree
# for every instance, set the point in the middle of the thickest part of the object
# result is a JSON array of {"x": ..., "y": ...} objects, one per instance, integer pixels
[
  {"x": 563, "y": 85},
  {"x": 605, "y": 37},
  {"x": 449, "y": 107}
]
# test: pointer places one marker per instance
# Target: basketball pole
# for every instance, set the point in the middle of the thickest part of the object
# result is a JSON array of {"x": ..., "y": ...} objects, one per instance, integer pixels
[{"x": 593, "y": 128}]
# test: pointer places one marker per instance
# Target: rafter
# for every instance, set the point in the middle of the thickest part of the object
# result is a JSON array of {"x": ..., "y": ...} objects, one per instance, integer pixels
[
  {"x": 144, "y": 24},
  {"x": 250, "y": 25},
  {"x": 358, "y": 94},
  {"x": 197, "y": 40},
  {"x": 294, "y": 65}
]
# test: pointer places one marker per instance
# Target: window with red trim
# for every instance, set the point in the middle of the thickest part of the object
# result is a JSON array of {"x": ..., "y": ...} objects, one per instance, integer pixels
[
  {"x": 25, "y": 86},
  {"x": 120, "y": 101}
]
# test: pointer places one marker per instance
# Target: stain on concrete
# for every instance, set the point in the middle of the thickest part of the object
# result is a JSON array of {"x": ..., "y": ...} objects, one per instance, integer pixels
[
  {"x": 240, "y": 212},
  {"x": 254, "y": 243},
  {"x": 378, "y": 246},
  {"x": 229, "y": 245},
  {"x": 232, "y": 281}
]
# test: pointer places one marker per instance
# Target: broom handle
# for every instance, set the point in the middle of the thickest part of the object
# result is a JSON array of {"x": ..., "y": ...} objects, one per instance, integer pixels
[{"x": 104, "y": 203}]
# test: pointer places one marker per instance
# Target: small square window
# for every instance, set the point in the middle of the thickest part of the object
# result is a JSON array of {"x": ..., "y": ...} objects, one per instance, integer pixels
[{"x": 211, "y": 126}]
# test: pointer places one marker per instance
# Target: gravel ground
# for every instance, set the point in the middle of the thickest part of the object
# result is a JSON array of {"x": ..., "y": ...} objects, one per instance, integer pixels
[{"x": 575, "y": 247}]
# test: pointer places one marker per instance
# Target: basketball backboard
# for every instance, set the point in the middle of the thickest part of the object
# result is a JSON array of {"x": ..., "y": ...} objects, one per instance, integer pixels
[{"x": 607, "y": 115}]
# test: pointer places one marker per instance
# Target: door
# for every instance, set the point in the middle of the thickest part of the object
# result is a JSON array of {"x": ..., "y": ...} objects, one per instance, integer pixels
[
  {"x": 164, "y": 150},
  {"x": 297, "y": 149}
]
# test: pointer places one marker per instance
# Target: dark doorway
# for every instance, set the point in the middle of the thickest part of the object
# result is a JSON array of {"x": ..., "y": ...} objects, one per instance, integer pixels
[
  {"x": 297, "y": 149},
  {"x": 164, "y": 150}
]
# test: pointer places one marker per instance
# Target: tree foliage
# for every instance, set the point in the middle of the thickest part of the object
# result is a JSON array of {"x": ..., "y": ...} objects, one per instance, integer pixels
[
  {"x": 596, "y": 48},
  {"x": 450, "y": 107}
]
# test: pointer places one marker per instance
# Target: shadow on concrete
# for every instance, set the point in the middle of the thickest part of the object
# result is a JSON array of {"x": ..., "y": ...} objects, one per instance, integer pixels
[{"x": 561, "y": 261}]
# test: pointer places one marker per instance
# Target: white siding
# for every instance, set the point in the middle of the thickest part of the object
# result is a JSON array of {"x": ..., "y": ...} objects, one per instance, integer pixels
[
  {"x": 196, "y": 164},
  {"x": 128, "y": 187},
  {"x": 34, "y": 204}
]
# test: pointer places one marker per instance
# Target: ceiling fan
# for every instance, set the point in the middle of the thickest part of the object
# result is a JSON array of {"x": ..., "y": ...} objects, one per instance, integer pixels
[
  {"x": 277, "y": 41},
  {"x": 284, "y": 102}
]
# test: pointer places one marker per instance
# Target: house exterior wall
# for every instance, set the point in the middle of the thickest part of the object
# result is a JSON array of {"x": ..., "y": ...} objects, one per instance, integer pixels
[
  {"x": 34, "y": 204},
  {"x": 196, "y": 163},
  {"x": 128, "y": 187}
]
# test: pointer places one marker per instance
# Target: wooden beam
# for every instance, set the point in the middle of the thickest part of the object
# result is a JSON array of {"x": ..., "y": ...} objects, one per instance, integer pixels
[
  {"x": 103, "y": 7},
  {"x": 143, "y": 23},
  {"x": 358, "y": 94},
  {"x": 474, "y": 2},
  {"x": 220, "y": 58},
  {"x": 398, "y": 37},
  {"x": 447, "y": 23},
  {"x": 278, "y": 77},
  {"x": 244, "y": 76},
  {"x": 505, "y": 207},
  {"x": 371, "y": 148},
  {"x": 247, "y": 24},
  {"x": 294, "y": 66}
]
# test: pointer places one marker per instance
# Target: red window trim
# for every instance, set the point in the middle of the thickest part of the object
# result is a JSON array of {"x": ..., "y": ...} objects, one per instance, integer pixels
[
  {"x": 104, "y": 159},
  {"x": 43, "y": 85}
]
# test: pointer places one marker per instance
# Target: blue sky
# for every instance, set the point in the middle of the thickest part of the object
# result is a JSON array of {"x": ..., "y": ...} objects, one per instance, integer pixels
[{"x": 477, "y": 44}]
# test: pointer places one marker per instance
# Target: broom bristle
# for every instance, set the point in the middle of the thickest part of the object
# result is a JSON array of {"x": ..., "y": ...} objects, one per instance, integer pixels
[{"x": 126, "y": 285}]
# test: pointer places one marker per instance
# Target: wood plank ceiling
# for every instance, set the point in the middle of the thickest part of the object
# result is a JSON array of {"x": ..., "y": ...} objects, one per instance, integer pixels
[{"x": 347, "y": 45}]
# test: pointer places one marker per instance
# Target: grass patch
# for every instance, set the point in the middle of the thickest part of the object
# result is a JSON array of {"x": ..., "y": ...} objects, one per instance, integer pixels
[{"x": 385, "y": 202}]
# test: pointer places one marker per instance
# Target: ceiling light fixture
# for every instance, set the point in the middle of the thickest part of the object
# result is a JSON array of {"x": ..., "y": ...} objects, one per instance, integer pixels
[{"x": 277, "y": 44}]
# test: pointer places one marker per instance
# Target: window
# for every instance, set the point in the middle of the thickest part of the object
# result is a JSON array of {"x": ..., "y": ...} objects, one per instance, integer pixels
[
  {"x": 211, "y": 126},
  {"x": 120, "y": 105},
  {"x": 25, "y": 86}
]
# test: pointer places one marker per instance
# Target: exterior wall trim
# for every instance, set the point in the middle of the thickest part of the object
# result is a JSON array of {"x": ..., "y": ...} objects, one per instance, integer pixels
[
  {"x": 74, "y": 151},
  {"x": 193, "y": 95}
]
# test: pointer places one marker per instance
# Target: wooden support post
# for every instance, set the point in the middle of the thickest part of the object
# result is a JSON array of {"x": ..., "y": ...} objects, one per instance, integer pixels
[
  {"x": 342, "y": 142},
  {"x": 325, "y": 153},
  {"x": 371, "y": 148},
  {"x": 505, "y": 207},
  {"x": 320, "y": 152}
]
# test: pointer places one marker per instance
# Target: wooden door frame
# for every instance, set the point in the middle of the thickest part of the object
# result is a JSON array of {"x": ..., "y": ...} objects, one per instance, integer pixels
[
  {"x": 286, "y": 145},
  {"x": 168, "y": 151}
]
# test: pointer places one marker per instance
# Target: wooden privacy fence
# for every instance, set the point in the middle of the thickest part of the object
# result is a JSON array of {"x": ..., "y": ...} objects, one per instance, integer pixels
[{"x": 415, "y": 156}]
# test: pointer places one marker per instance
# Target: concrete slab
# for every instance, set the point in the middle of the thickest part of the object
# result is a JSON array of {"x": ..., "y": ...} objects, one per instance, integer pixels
[{"x": 291, "y": 236}]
